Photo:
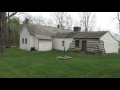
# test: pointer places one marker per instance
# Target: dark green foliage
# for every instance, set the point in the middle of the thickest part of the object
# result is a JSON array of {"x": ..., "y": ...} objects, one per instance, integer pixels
[
  {"x": 16, "y": 63},
  {"x": 14, "y": 28},
  {"x": 14, "y": 23}
]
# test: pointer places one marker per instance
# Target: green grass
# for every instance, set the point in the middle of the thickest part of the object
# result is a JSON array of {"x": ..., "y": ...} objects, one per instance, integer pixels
[{"x": 16, "y": 63}]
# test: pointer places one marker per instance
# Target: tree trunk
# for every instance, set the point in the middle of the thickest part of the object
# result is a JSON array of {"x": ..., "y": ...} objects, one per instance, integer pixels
[
  {"x": 1, "y": 42},
  {"x": 2, "y": 26},
  {"x": 9, "y": 37},
  {"x": 8, "y": 33}
]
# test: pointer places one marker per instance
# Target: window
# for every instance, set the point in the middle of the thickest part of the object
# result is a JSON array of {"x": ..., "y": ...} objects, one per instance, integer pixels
[
  {"x": 77, "y": 43},
  {"x": 63, "y": 43},
  {"x": 22, "y": 40},
  {"x": 26, "y": 41}
]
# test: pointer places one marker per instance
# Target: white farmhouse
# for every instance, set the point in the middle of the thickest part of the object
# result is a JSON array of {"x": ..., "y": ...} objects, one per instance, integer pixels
[
  {"x": 37, "y": 37},
  {"x": 45, "y": 38}
]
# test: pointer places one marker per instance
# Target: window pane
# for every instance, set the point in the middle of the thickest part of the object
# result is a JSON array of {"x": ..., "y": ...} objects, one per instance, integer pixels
[
  {"x": 76, "y": 43},
  {"x": 63, "y": 43},
  {"x": 22, "y": 40},
  {"x": 26, "y": 41}
]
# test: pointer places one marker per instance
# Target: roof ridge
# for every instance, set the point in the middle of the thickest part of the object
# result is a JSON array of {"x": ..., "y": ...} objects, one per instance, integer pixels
[
  {"x": 45, "y": 31},
  {"x": 97, "y": 34}
]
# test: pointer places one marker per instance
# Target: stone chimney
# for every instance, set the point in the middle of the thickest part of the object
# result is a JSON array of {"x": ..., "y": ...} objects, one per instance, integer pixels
[
  {"x": 26, "y": 21},
  {"x": 58, "y": 26},
  {"x": 77, "y": 29}
]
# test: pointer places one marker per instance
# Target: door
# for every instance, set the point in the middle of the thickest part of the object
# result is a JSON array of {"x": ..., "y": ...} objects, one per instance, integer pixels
[{"x": 84, "y": 43}]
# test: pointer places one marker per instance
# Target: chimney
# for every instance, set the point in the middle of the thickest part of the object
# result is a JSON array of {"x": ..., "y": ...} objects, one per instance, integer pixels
[
  {"x": 77, "y": 29},
  {"x": 26, "y": 21},
  {"x": 58, "y": 26}
]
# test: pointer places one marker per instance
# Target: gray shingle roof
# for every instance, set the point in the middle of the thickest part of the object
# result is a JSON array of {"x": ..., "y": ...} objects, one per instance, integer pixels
[
  {"x": 42, "y": 31},
  {"x": 43, "y": 37},
  {"x": 97, "y": 34},
  {"x": 47, "y": 32}
]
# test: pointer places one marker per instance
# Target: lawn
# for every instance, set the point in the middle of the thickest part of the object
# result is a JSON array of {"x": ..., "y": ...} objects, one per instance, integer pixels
[{"x": 16, "y": 63}]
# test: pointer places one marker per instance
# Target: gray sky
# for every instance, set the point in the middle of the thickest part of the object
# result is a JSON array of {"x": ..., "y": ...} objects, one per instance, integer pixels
[{"x": 104, "y": 19}]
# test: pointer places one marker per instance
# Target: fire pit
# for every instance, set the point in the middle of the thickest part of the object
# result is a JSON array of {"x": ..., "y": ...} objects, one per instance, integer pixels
[{"x": 63, "y": 58}]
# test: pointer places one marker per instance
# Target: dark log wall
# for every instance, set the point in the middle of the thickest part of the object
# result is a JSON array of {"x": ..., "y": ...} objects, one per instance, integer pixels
[
  {"x": 72, "y": 46},
  {"x": 93, "y": 46},
  {"x": 101, "y": 47}
]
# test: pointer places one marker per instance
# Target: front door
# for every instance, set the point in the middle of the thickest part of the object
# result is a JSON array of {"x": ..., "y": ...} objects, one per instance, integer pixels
[{"x": 84, "y": 43}]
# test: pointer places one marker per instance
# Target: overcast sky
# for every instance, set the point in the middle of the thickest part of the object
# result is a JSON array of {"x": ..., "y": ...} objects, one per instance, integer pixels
[{"x": 104, "y": 19}]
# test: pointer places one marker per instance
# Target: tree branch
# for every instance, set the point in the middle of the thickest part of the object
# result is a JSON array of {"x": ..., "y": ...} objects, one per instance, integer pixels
[{"x": 11, "y": 15}]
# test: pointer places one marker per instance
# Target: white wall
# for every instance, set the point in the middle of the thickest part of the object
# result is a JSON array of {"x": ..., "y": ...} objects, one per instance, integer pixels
[
  {"x": 25, "y": 34},
  {"x": 32, "y": 41},
  {"x": 110, "y": 44},
  {"x": 57, "y": 43},
  {"x": 45, "y": 45},
  {"x": 36, "y": 44}
]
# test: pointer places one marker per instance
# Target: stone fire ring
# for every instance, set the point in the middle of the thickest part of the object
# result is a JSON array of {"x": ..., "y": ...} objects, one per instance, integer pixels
[{"x": 63, "y": 58}]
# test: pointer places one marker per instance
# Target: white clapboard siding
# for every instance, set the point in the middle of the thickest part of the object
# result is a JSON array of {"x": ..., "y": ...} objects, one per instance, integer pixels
[{"x": 110, "y": 44}]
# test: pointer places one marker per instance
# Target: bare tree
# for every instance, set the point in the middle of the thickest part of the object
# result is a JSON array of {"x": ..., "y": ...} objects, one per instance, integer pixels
[
  {"x": 39, "y": 20},
  {"x": 42, "y": 21},
  {"x": 118, "y": 18},
  {"x": 49, "y": 22},
  {"x": 35, "y": 19},
  {"x": 30, "y": 17},
  {"x": 63, "y": 19},
  {"x": 87, "y": 20}
]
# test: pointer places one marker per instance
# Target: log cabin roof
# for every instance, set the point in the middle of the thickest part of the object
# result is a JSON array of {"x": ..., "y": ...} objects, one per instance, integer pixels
[{"x": 97, "y": 34}]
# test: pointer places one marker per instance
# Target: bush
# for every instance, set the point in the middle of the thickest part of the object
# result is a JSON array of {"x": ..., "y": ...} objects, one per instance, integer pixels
[{"x": 7, "y": 46}]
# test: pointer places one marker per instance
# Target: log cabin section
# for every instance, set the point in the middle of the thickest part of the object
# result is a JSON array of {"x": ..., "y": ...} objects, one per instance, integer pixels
[
  {"x": 89, "y": 42},
  {"x": 85, "y": 45},
  {"x": 88, "y": 45}
]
